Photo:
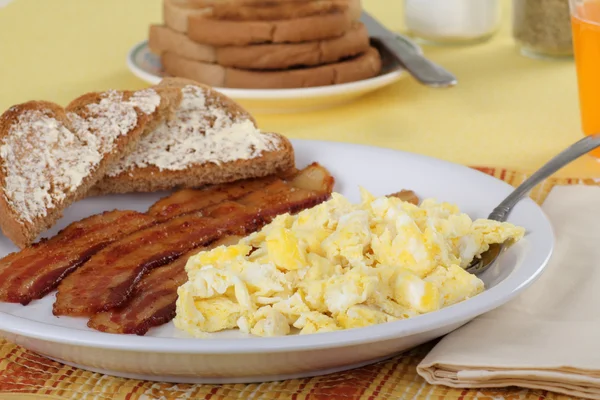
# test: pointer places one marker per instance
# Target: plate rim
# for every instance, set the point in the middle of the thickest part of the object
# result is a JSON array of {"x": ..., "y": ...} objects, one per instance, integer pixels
[
  {"x": 369, "y": 84},
  {"x": 513, "y": 284}
]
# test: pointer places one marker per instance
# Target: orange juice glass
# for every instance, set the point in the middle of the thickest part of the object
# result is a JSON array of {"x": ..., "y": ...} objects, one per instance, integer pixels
[{"x": 585, "y": 20}]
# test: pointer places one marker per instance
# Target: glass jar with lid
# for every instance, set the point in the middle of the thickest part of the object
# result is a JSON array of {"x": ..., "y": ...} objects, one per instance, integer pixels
[
  {"x": 542, "y": 28},
  {"x": 452, "y": 21}
]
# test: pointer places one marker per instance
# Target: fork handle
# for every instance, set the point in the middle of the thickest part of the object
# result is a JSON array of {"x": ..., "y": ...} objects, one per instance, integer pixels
[{"x": 571, "y": 153}]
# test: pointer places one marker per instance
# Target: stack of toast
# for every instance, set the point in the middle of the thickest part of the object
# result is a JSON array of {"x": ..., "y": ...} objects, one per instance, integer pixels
[
  {"x": 177, "y": 134},
  {"x": 265, "y": 44}
]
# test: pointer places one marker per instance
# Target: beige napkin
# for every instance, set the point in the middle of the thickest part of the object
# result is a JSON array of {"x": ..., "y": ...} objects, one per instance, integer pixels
[{"x": 548, "y": 337}]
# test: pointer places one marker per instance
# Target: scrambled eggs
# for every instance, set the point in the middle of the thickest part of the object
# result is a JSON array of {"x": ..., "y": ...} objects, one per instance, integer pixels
[{"x": 336, "y": 266}]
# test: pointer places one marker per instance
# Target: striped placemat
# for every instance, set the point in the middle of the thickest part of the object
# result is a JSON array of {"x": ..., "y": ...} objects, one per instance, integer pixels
[{"x": 25, "y": 375}]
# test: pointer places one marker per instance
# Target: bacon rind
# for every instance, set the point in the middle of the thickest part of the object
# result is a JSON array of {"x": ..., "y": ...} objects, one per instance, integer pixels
[
  {"x": 35, "y": 271},
  {"x": 107, "y": 280}
]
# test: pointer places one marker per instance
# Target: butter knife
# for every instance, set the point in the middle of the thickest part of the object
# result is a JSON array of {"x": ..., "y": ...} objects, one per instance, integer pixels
[{"x": 408, "y": 54}]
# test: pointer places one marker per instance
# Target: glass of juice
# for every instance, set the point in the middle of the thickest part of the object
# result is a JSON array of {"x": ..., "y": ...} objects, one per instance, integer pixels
[{"x": 585, "y": 21}]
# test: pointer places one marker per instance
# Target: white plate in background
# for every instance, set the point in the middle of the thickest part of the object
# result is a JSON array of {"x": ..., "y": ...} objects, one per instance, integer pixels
[
  {"x": 146, "y": 66},
  {"x": 166, "y": 354}
]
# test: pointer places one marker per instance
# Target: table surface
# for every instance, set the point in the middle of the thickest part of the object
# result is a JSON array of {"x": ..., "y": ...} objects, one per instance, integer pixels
[{"x": 507, "y": 111}]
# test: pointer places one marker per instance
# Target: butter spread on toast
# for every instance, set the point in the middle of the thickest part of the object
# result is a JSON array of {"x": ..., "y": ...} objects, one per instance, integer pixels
[
  {"x": 199, "y": 133},
  {"x": 45, "y": 158}
]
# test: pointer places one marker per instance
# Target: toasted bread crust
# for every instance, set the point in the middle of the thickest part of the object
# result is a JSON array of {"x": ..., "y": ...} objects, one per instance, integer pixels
[
  {"x": 239, "y": 33},
  {"x": 205, "y": 73},
  {"x": 169, "y": 98},
  {"x": 288, "y": 55},
  {"x": 162, "y": 38},
  {"x": 211, "y": 3},
  {"x": 354, "y": 9},
  {"x": 219, "y": 98},
  {"x": 20, "y": 233},
  {"x": 262, "y": 56},
  {"x": 125, "y": 144},
  {"x": 118, "y": 120},
  {"x": 22, "y": 228},
  {"x": 273, "y": 11},
  {"x": 364, "y": 66},
  {"x": 150, "y": 178},
  {"x": 177, "y": 12}
]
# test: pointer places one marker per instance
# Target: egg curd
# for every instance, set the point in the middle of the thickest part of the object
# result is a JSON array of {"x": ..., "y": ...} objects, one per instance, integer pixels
[{"x": 337, "y": 266}]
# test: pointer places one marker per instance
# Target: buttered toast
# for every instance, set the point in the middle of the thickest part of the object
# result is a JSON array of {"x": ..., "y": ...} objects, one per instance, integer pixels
[
  {"x": 50, "y": 156},
  {"x": 209, "y": 140},
  {"x": 179, "y": 133}
]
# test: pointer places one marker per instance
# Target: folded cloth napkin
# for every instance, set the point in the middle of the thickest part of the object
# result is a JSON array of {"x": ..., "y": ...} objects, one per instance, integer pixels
[{"x": 549, "y": 337}]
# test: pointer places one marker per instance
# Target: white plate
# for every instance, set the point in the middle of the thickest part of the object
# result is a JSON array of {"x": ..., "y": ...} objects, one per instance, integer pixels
[
  {"x": 146, "y": 66},
  {"x": 168, "y": 355}
]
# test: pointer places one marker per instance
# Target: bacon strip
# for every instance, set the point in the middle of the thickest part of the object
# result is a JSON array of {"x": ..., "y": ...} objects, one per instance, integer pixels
[
  {"x": 107, "y": 280},
  {"x": 35, "y": 271},
  {"x": 154, "y": 298},
  {"x": 190, "y": 200}
]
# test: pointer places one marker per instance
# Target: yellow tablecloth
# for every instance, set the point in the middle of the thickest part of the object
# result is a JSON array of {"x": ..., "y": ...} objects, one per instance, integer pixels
[{"x": 508, "y": 111}]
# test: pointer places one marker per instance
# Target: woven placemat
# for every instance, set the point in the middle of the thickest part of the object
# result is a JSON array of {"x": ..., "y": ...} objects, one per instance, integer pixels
[{"x": 25, "y": 375}]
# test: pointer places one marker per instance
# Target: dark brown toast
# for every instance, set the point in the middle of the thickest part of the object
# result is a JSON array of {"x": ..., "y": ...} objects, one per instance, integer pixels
[
  {"x": 174, "y": 154},
  {"x": 52, "y": 156},
  {"x": 22, "y": 216}
]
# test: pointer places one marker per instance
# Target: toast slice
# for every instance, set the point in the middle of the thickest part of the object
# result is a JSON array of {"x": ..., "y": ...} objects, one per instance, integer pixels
[
  {"x": 176, "y": 13},
  {"x": 273, "y": 11},
  {"x": 50, "y": 156},
  {"x": 363, "y": 66},
  {"x": 204, "y": 29},
  {"x": 354, "y": 9},
  {"x": 210, "y": 140},
  {"x": 262, "y": 56},
  {"x": 162, "y": 38}
]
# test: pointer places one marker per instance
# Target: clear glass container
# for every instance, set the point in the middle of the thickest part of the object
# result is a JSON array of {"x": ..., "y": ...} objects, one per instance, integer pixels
[
  {"x": 452, "y": 21},
  {"x": 542, "y": 28}
]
